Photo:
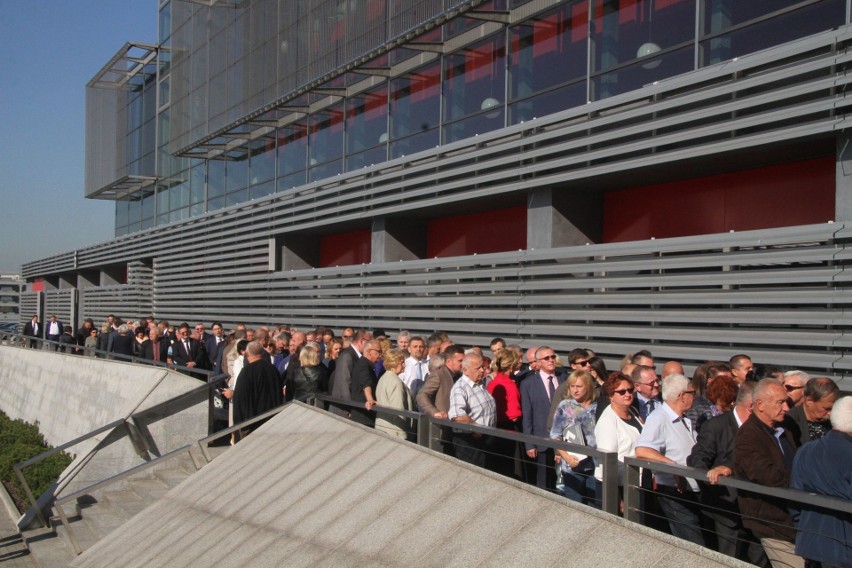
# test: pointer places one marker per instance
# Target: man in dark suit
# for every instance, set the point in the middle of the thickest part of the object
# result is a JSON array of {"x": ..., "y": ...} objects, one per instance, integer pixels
[
  {"x": 537, "y": 390},
  {"x": 714, "y": 451},
  {"x": 763, "y": 453},
  {"x": 188, "y": 352},
  {"x": 34, "y": 330},
  {"x": 363, "y": 385},
  {"x": 340, "y": 383},
  {"x": 214, "y": 343}
]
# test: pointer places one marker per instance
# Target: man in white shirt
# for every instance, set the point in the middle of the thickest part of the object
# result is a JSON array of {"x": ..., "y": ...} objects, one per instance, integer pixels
[
  {"x": 471, "y": 403},
  {"x": 416, "y": 365},
  {"x": 668, "y": 437}
]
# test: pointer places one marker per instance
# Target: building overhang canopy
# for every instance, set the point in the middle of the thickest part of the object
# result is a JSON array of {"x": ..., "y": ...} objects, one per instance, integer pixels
[
  {"x": 127, "y": 187},
  {"x": 130, "y": 61}
]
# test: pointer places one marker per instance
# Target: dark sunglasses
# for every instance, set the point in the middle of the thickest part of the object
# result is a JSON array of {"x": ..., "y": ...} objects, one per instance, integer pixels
[
  {"x": 582, "y": 363},
  {"x": 547, "y": 358},
  {"x": 624, "y": 391}
]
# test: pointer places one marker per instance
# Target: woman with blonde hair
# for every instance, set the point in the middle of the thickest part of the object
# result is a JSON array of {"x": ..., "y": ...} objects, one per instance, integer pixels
[
  {"x": 574, "y": 422},
  {"x": 391, "y": 392}
]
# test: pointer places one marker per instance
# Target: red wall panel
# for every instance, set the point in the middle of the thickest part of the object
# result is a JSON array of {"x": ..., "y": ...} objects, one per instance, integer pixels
[
  {"x": 344, "y": 249},
  {"x": 38, "y": 285},
  {"x": 796, "y": 193},
  {"x": 490, "y": 231}
]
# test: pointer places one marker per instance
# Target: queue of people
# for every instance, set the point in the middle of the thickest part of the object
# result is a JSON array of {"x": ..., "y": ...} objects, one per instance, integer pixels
[{"x": 756, "y": 422}]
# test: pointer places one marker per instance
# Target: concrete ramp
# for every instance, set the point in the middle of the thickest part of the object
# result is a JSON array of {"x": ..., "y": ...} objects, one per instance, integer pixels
[
  {"x": 70, "y": 395},
  {"x": 311, "y": 489}
]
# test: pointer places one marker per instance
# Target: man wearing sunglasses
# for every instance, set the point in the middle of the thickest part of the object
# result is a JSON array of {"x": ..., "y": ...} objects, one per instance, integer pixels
[
  {"x": 537, "y": 391},
  {"x": 794, "y": 384},
  {"x": 647, "y": 390}
]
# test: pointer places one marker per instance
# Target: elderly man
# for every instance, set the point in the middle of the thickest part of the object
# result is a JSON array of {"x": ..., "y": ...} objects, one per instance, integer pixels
[
  {"x": 810, "y": 420},
  {"x": 763, "y": 453},
  {"x": 794, "y": 383},
  {"x": 258, "y": 388},
  {"x": 714, "y": 451},
  {"x": 668, "y": 437},
  {"x": 822, "y": 467},
  {"x": 470, "y": 403}
]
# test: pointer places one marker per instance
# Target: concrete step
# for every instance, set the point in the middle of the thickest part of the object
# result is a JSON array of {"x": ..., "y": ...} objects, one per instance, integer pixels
[{"x": 14, "y": 552}]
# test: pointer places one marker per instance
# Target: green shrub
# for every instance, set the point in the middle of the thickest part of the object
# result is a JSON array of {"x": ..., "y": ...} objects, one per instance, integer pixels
[{"x": 19, "y": 442}]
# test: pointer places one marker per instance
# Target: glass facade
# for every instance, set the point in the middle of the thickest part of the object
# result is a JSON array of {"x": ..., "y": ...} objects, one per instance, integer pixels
[{"x": 228, "y": 63}]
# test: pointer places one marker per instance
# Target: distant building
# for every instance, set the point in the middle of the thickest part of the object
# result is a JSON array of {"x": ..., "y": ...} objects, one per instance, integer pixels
[
  {"x": 11, "y": 286},
  {"x": 612, "y": 174}
]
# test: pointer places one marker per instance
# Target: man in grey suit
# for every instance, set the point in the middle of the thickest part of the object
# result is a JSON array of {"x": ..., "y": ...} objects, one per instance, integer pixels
[
  {"x": 537, "y": 390},
  {"x": 340, "y": 383}
]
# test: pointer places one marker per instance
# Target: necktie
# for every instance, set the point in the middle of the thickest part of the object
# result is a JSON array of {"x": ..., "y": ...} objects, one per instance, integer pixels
[
  {"x": 550, "y": 388},
  {"x": 650, "y": 406},
  {"x": 156, "y": 351},
  {"x": 419, "y": 374},
  {"x": 186, "y": 347}
]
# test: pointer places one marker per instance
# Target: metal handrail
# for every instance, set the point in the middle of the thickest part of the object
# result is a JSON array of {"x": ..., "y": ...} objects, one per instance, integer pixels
[
  {"x": 18, "y": 467},
  {"x": 110, "y": 355},
  {"x": 109, "y": 481},
  {"x": 632, "y": 489},
  {"x": 202, "y": 443}
]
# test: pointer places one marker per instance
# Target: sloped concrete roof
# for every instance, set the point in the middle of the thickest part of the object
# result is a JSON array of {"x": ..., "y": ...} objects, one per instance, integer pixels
[{"x": 311, "y": 489}]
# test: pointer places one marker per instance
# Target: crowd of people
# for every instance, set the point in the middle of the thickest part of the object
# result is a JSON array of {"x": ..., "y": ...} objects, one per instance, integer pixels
[{"x": 731, "y": 418}]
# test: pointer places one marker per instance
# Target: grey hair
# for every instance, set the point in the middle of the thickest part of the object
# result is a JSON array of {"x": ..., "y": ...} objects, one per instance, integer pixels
[{"x": 673, "y": 386}]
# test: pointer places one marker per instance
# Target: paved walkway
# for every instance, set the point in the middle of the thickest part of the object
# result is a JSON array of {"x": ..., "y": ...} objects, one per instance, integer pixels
[{"x": 13, "y": 552}]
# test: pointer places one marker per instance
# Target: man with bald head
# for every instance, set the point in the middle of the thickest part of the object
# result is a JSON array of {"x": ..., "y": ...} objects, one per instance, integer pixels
[
  {"x": 471, "y": 403},
  {"x": 259, "y": 388},
  {"x": 672, "y": 368}
]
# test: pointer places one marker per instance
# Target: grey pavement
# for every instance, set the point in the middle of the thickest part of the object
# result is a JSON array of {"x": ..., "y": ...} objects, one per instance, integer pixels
[{"x": 311, "y": 489}]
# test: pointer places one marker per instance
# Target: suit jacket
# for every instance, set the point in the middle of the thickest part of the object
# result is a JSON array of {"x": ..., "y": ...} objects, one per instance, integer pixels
[
  {"x": 180, "y": 356},
  {"x": 797, "y": 423},
  {"x": 758, "y": 458},
  {"x": 212, "y": 349},
  {"x": 715, "y": 447},
  {"x": 363, "y": 376},
  {"x": 147, "y": 351},
  {"x": 434, "y": 395},
  {"x": 123, "y": 344},
  {"x": 46, "y": 326},
  {"x": 28, "y": 329},
  {"x": 535, "y": 406},
  {"x": 340, "y": 383}
]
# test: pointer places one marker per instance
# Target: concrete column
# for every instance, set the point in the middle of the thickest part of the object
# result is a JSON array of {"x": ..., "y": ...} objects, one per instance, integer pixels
[
  {"x": 88, "y": 278},
  {"x": 563, "y": 217},
  {"x": 843, "y": 178},
  {"x": 398, "y": 239}
]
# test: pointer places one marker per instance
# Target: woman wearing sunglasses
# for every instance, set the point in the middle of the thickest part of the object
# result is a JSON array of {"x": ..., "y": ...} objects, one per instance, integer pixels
[{"x": 619, "y": 426}]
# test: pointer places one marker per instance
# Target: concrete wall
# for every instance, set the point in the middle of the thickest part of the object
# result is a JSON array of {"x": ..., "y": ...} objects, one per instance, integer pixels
[{"x": 70, "y": 396}]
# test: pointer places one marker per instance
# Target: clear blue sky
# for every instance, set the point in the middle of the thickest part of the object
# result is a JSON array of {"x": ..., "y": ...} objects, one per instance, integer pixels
[{"x": 50, "y": 49}]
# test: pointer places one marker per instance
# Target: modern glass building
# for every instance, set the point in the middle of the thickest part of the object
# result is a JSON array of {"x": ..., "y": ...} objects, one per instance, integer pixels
[{"x": 615, "y": 174}]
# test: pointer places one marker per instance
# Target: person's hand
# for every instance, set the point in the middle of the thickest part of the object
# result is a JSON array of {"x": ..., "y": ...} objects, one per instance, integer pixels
[
  {"x": 719, "y": 471},
  {"x": 440, "y": 415},
  {"x": 533, "y": 453},
  {"x": 228, "y": 393},
  {"x": 572, "y": 460},
  {"x": 680, "y": 483},
  {"x": 369, "y": 404}
]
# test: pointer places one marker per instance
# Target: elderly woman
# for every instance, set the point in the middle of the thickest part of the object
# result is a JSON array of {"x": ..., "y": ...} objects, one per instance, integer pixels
[
  {"x": 574, "y": 422},
  {"x": 393, "y": 393},
  {"x": 619, "y": 426}
]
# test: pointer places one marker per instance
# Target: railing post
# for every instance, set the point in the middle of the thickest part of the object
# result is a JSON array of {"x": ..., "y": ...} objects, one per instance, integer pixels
[
  {"x": 424, "y": 427},
  {"x": 434, "y": 436},
  {"x": 610, "y": 483},
  {"x": 29, "y": 493},
  {"x": 632, "y": 479}
]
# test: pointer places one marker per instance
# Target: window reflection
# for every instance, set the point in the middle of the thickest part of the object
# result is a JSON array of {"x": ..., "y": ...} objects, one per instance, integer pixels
[
  {"x": 367, "y": 121},
  {"x": 415, "y": 111},
  {"x": 475, "y": 84}
]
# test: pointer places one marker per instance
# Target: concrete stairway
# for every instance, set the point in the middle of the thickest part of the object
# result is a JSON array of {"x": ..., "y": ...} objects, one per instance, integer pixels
[{"x": 98, "y": 514}]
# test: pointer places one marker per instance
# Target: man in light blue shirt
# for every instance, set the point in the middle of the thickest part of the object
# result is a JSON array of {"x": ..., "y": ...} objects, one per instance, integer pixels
[{"x": 668, "y": 437}]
